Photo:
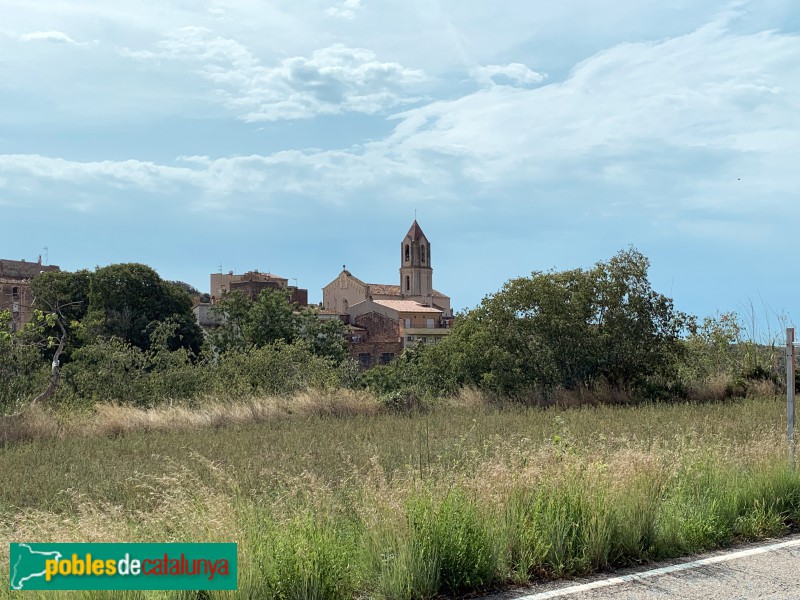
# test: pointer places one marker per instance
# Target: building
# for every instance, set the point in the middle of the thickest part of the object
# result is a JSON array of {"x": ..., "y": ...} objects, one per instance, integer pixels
[
  {"x": 393, "y": 317},
  {"x": 416, "y": 281},
  {"x": 15, "y": 292},
  {"x": 250, "y": 284}
]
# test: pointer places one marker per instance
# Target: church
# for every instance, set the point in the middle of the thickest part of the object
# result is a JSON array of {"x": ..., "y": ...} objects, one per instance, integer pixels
[{"x": 385, "y": 318}]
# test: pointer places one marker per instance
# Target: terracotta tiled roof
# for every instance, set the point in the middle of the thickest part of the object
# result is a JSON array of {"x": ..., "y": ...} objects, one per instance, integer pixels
[
  {"x": 415, "y": 232},
  {"x": 353, "y": 277},
  {"x": 384, "y": 289},
  {"x": 256, "y": 275},
  {"x": 406, "y": 306}
]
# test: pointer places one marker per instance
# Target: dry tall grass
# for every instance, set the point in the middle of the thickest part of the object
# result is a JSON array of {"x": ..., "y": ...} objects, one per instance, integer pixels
[
  {"x": 344, "y": 501},
  {"x": 110, "y": 420}
]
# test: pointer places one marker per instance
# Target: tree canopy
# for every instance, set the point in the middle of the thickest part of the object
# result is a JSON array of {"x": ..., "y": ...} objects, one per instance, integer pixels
[
  {"x": 272, "y": 318},
  {"x": 128, "y": 301},
  {"x": 568, "y": 329}
]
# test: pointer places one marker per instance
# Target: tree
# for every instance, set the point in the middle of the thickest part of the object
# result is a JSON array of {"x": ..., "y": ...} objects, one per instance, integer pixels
[
  {"x": 66, "y": 294},
  {"x": 272, "y": 318},
  {"x": 638, "y": 329},
  {"x": 245, "y": 322},
  {"x": 60, "y": 301},
  {"x": 22, "y": 369},
  {"x": 325, "y": 337},
  {"x": 568, "y": 329},
  {"x": 129, "y": 300}
]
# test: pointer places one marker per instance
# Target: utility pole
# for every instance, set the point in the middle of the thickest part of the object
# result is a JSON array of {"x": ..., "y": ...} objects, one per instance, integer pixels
[{"x": 790, "y": 344}]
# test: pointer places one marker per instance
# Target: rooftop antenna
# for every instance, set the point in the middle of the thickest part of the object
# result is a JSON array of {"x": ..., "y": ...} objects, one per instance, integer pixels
[
  {"x": 220, "y": 267},
  {"x": 46, "y": 255}
]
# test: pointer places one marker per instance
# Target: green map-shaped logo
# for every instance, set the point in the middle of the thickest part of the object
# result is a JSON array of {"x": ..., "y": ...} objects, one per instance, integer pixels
[{"x": 27, "y": 564}]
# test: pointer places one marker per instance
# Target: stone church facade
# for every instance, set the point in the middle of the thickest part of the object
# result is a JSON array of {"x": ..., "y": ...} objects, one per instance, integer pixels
[
  {"x": 416, "y": 281},
  {"x": 386, "y": 318}
]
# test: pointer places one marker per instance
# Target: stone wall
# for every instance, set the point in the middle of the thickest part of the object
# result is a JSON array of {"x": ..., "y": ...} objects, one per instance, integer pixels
[
  {"x": 381, "y": 344},
  {"x": 15, "y": 292},
  {"x": 21, "y": 269}
]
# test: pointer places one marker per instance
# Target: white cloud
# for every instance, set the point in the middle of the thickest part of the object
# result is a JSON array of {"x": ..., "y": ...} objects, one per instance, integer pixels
[
  {"x": 514, "y": 73},
  {"x": 47, "y": 36},
  {"x": 717, "y": 94},
  {"x": 333, "y": 80},
  {"x": 704, "y": 120},
  {"x": 346, "y": 9},
  {"x": 142, "y": 174},
  {"x": 254, "y": 180}
]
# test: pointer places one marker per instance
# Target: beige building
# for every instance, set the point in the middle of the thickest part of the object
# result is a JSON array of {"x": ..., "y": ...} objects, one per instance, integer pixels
[
  {"x": 416, "y": 322},
  {"x": 393, "y": 317},
  {"x": 251, "y": 284},
  {"x": 416, "y": 281}
]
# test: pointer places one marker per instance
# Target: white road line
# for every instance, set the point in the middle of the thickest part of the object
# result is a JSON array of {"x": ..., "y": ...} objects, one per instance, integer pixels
[{"x": 585, "y": 587}]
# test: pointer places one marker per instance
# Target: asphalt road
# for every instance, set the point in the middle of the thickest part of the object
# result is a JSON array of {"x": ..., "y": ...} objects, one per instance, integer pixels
[{"x": 765, "y": 571}]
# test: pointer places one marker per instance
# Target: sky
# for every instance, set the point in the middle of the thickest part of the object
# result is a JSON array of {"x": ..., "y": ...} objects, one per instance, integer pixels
[{"x": 297, "y": 136}]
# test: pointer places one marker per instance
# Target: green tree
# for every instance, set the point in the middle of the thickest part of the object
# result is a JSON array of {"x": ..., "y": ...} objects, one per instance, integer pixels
[
  {"x": 66, "y": 295},
  {"x": 325, "y": 337},
  {"x": 246, "y": 323},
  {"x": 272, "y": 318},
  {"x": 128, "y": 301},
  {"x": 568, "y": 329},
  {"x": 638, "y": 329},
  {"x": 23, "y": 371}
]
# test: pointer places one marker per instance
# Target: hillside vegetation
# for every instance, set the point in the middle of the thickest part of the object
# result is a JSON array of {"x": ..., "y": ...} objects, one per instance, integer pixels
[{"x": 123, "y": 335}]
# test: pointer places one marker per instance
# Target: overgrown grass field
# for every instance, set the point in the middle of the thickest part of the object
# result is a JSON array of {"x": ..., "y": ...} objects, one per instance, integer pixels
[{"x": 338, "y": 499}]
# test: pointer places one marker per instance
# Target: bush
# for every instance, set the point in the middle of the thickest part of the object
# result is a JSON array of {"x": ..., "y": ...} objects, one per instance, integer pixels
[{"x": 454, "y": 534}]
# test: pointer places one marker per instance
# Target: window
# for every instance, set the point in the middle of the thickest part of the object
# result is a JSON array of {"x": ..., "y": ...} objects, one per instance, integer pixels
[
  {"x": 408, "y": 253},
  {"x": 345, "y": 304},
  {"x": 423, "y": 253},
  {"x": 408, "y": 283},
  {"x": 364, "y": 359},
  {"x": 14, "y": 293},
  {"x": 407, "y": 323},
  {"x": 429, "y": 323},
  {"x": 356, "y": 339},
  {"x": 386, "y": 358}
]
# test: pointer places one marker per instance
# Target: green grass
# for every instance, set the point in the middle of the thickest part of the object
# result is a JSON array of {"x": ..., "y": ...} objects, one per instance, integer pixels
[{"x": 450, "y": 501}]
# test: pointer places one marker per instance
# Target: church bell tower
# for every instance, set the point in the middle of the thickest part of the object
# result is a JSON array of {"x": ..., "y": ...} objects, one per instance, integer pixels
[{"x": 416, "y": 274}]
